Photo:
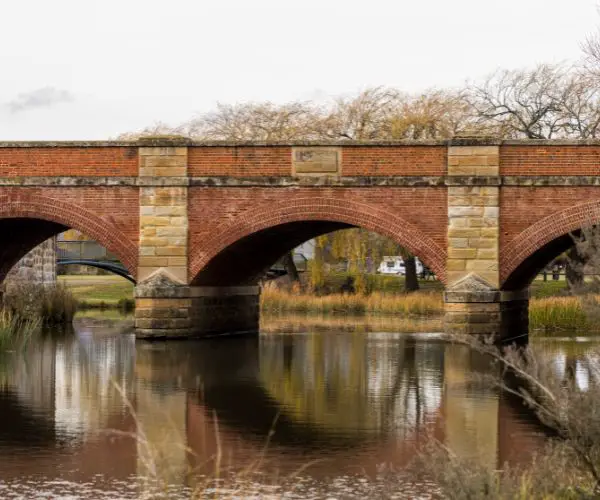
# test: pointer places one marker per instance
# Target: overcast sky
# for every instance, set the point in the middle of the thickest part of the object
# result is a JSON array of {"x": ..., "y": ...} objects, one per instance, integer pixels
[{"x": 75, "y": 69}]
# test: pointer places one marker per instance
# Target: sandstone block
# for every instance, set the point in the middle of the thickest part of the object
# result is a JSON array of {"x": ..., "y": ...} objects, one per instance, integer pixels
[
  {"x": 152, "y": 241},
  {"x": 457, "y": 222},
  {"x": 147, "y": 251},
  {"x": 456, "y": 265},
  {"x": 178, "y": 221},
  {"x": 482, "y": 265},
  {"x": 461, "y": 170},
  {"x": 490, "y": 232},
  {"x": 491, "y": 212},
  {"x": 466, "y": 211},
  {"x": 170, "y": 171},
  {"x": 171, "y": 231},
  {"x": 175, "y": 210},
  {"x": 163, "y": 162},
  {"x": 487, "y": 253},
  {"x": 473, "y": 150},
  {"x": 163, "y": 151},
  {"x": 151, "y": 220},
  {"x": 458, "y": 242},
  {"x": 149, "y": 261},
  {"x": 483, "y": 243},
  {"x": 171, "y": 251},
  {"x": 462, "y": 253}
]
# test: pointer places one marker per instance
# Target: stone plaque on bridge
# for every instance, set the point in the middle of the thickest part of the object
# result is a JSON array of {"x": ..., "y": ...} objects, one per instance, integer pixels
[{"x": 315, "y": 160}]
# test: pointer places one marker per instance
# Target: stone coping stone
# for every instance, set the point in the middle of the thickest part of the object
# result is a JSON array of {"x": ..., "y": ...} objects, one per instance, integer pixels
[{"x": 184, "y": 141}]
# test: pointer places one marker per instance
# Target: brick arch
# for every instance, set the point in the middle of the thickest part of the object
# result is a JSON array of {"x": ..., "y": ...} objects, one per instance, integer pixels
[
  {"x": 73, "y": 216},
  {"x": 315, "y": 209},
  {"x": 552, "y": 228}
]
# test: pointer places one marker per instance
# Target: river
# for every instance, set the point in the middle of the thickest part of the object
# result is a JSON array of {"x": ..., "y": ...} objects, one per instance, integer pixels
[{"x": 314, "y": 411}]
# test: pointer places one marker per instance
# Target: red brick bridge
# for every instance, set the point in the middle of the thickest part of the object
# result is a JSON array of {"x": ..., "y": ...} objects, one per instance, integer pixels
[{"x": 197, "y": 223}]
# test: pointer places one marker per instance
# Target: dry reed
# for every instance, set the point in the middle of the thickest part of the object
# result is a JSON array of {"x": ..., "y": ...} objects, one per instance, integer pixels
[{"x": 276, "y": 301}]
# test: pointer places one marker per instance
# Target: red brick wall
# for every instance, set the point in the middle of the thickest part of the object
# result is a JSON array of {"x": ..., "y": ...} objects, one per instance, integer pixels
[
  {"x": 211, "y": 209},
  {"x": 394, "y": 160},
  {"x": 65, "y": 161},
  {"x": 550, "y": 160},
  {"x": 356, "y": 161},
  {"x": 241, "y": 162},
  {"x": 521, "y": 207},
  {"x": 110, "y": 215}
]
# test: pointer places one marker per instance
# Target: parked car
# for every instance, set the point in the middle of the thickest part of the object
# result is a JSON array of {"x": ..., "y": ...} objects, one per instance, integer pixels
[{"x": 395, "y": 265}]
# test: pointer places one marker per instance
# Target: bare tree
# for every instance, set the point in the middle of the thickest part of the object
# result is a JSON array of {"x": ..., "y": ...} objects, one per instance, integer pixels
[
  {"x": 366, "y": 116},
  {"x": 262, "y": 121},
  {"x": 522, "y": 103}
]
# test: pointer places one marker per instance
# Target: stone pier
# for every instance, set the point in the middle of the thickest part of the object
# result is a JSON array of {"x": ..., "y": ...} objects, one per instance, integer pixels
[
  {"x": 38, "y": 267},
  {"x": 474, "y": 302}
]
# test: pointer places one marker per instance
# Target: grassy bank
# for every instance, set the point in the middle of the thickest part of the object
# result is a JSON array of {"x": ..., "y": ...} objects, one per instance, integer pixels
[
  {"x": 548, "y": 312},
  {"x": 99, "y": 292}
]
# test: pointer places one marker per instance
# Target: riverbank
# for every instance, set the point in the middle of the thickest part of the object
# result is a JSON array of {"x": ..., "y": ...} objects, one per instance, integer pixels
[
  {"x": 100, "y": 292},
  {"x": 549, "y": 312}
]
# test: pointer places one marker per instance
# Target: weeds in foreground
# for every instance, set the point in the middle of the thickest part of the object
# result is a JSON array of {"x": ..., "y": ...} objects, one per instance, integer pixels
[
  {"x": 16, "y": 330},
  {"x": 570, "y": 466}
]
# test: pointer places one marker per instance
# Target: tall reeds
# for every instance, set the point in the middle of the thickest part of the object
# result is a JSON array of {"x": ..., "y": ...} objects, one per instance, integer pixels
[
  {"x": 276, "y": 301},
  {"x": 52, "y": 305},
  {"x": 559, "y": 314},
  {"x": 15, "y": 329}
]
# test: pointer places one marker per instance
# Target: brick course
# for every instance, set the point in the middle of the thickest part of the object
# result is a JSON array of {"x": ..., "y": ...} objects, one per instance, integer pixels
[
  {"x": 550, "y": 160},
  {"x": 46, "y": 162}
]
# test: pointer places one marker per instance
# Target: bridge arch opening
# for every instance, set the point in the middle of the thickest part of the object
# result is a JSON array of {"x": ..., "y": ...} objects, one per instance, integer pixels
[
  {"x": 537, "y": 246},
  {"x": 25, "y": 223},
  {"x": 241, "y": 251}
]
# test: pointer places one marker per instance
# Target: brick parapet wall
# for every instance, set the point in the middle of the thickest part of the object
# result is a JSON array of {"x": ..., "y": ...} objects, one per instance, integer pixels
[
  {"x": 68, "y": 161},
  {"x": 546, "y": 159}
]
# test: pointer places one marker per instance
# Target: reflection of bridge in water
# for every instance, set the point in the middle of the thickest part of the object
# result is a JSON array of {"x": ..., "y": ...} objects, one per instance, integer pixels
[{"x": 359, "y": 401}]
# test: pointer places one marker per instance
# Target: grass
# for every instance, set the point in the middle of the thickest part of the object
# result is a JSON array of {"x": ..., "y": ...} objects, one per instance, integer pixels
[
  {"x": 101, "y": 292},
  {"x": 275, "y": 301},
  {"x": 15, "y": 329},
  {"x": 564, "y": 314}
]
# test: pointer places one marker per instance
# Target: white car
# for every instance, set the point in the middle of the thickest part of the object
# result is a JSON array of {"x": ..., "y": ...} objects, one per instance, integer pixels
[{"x": 395, "y": 265}]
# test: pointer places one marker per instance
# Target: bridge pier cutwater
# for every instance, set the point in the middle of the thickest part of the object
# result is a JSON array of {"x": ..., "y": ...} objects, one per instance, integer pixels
[{"x": 197, "y": 224}]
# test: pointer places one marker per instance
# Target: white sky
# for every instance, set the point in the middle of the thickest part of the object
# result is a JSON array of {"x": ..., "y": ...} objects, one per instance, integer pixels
[{"x": 90, "y": 69}]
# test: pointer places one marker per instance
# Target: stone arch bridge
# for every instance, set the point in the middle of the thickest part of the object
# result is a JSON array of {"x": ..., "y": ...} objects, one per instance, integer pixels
[{"x": 197, "y": 223}]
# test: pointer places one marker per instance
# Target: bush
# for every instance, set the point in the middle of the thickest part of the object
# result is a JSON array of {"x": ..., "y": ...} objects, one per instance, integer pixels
[{"x": 51, "y": 305}]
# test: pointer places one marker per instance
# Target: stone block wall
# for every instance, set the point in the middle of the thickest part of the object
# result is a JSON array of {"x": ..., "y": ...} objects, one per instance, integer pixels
[
  {"x": 473, "y": 214},
  {"x": 37, "y": 267},
  {"x": 163, "y": 214}
]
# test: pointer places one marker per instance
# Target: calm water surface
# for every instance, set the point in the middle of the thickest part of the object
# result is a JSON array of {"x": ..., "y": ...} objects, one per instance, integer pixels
[{"x": 314, "y": 414}]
